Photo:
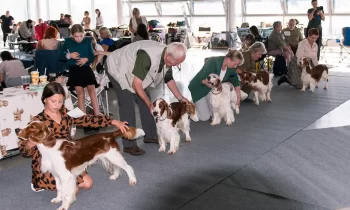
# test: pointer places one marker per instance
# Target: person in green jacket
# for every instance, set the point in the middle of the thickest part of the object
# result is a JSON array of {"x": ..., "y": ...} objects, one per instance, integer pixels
[{"x": 225, "y": 67}]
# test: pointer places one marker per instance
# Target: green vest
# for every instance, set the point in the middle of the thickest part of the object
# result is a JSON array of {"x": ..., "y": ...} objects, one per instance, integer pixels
[{"x": 212, "y": 66}]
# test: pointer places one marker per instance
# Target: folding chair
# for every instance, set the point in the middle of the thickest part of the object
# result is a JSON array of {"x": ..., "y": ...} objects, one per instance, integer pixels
[
  {"x": 344, "y": 44},
  {"x": 103, "y": 81}
]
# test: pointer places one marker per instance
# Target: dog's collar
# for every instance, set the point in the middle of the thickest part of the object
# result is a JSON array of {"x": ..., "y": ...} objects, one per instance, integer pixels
[
  {"x": 216, "y": 93},
  {"x": 158, "y": 118}
]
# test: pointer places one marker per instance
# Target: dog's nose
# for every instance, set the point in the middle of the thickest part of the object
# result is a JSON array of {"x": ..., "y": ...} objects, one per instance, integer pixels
[
  {"x": 155, "y": 113},
  {"x": 17, "y": 130}
]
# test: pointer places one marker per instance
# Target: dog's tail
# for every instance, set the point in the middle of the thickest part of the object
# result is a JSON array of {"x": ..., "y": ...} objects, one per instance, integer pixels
[{"x": 130, "y": 134}]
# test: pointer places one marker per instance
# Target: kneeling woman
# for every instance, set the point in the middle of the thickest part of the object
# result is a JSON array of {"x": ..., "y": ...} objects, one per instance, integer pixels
[
  {"x": 225, "y": 67},
  {"x": 56, "y": 118},
  {"x": 306, "y": 49}
]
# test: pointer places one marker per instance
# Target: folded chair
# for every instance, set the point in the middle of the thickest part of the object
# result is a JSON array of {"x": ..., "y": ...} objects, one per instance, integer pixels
[{"x": 101, "y": 91}]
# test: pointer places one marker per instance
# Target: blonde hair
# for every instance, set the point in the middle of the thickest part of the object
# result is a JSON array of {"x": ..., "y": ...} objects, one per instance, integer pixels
[
  {"x": 135, "y": 10},
  {"x": 105, "y": 29},
  {"x": 235, "y": 55}
]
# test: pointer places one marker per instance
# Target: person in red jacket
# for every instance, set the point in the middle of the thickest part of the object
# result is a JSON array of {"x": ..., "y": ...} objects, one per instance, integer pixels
[{"x": 40, "y": 29}]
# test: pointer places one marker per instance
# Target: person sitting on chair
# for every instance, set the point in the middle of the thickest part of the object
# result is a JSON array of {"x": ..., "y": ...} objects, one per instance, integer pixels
[
  {"x": 292, "y": 35},
  {"x": 277, "y": 45},
  {"x": 11, "y": 70},
  {"x": 141, "y": 34},
  {"x": 255, "y": 31},
  {"x": 249, "y": 39},
  {"x": 26, "y": 30}
]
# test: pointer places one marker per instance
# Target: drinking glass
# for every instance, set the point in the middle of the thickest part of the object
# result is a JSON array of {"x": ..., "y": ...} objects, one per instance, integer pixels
[{"x": 25, "y": 81}]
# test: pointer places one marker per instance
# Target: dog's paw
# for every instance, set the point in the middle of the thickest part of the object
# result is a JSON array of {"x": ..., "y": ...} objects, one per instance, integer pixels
[
  {"x": 56, "y": 200},
  {"x": 214, "y": 123},
  {"x": 161, "y": 149},
  {"x": 188, "y": 139},
  {"x": 114, "y": 176},
  {"x": 269, "y": 100},
  {"x": 229, "y": 123},
  {"x": 311, "y": 90},
  {"x": 63, "y": 208},
  {"x": 237, "y": 110},
  {"x": 132, "y": 182},
  {"x": 171, "y": 152},
  {"x": 302, "y": 90}
]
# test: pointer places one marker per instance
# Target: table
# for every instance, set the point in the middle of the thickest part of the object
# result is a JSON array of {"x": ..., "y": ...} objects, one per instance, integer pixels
[{"x": 17, "y": 107}]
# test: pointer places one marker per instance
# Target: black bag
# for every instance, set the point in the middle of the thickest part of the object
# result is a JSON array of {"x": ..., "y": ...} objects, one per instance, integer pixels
[{"x": 279, "y": 66}]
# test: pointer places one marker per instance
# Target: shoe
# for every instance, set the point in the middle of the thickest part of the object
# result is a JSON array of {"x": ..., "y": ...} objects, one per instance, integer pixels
[
  {"x": 283, "y": 79},
  {"x": 151, "y": 140},
  {"x": 134, "y": 150},
  {"x": 32, "y": 186}
]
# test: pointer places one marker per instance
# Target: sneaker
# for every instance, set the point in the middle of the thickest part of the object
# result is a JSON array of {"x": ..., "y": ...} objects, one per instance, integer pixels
[{"x": 32, "y": 186}]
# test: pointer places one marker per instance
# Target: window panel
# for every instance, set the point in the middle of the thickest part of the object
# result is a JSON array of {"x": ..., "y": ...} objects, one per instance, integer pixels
[
  {"x": 260, "y": 7},
  {"x": 55, "y": 9},
  {"x": 173, "y": 8},
  {"x": 338, "y": 24},
  {"x": 217, "y": 24},
  {"x": 17, "y": 10},
  {"x": 43, "y": 9},
  {"x": 78, "y": 7},
  {"x": 146, "y": 9},
  {"x": 209, "y": 8},
  {"x": 302, "y": 6},
  {"x": 32, "y": 13},
  {"x": 341, "y": 6},
  {"x": 268, "y": 20},
  {"x": 108, "y": 10}
]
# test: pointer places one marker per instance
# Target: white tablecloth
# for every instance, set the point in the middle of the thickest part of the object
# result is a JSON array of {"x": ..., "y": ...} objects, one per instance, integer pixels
[{"x": 17, "y": 107}]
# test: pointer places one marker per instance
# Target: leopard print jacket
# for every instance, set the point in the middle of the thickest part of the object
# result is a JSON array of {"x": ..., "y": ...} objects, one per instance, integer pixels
[{"x": 61, "y": 131}]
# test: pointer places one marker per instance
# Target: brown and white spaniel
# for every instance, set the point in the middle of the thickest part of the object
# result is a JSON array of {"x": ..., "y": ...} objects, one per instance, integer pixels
[
  {"x": 223, "y": 100},
  {"x": 67, "y": 159},
  {"x": 262, "y": 81},
  {"x": 311, "y": 77},
  {"x": 169, "y": 119}
]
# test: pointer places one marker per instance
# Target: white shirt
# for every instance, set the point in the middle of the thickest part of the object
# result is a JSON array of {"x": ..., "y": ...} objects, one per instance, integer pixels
[
  {"x": 99, "y": 21},
  {"x": 222, "y": 74},
  {"x": 305, "y": 50}
]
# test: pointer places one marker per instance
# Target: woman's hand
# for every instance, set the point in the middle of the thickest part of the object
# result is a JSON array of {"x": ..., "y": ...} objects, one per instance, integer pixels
[
  {"x": 183, "y": 99},
  {"x": 122, "y": 126},
  {"x": 82, "y": 61},
  {"x": 150, "y": 107},
  {"x": 74, "y": 55},
  {"x": 205, "y": 82}
]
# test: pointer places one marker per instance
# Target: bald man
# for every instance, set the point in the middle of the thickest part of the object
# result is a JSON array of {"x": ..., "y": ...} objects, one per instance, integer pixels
[{"x": 292, "y": 35}]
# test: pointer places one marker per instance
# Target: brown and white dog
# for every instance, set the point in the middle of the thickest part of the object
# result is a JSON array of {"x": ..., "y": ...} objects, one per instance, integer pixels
[
  {"x": 311, "y": 77},
  {"x": 223, "y": 100},
  {"x": 169, "y": 119},
  {"x": 67, "y": 159},
  {"x": 262, "y": 81}
]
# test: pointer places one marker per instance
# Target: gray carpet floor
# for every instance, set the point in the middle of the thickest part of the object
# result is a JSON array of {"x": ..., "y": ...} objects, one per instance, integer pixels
[{"x": 189, "y": 178}]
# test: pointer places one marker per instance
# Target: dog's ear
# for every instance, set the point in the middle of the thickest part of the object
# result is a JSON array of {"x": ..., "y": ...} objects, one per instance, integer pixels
[
  {"x": 190, "y": 108},
  {"x": 218, "y": 84}
]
